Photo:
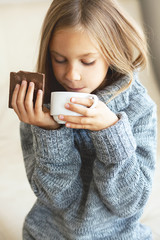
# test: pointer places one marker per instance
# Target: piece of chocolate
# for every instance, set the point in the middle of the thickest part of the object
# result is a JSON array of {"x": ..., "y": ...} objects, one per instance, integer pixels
[{"x": 17, "y": 77}]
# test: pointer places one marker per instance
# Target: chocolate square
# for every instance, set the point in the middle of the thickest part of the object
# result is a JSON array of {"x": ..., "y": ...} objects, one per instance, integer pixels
[{"x": 17, "y": 77}]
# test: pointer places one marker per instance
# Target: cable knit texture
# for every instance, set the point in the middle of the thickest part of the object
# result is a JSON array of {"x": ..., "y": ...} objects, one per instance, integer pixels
[{"x": 93, "y": 185}]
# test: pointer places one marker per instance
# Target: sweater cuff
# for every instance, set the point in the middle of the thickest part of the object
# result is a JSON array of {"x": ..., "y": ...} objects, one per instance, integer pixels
[
  {"x": 116, "y": 143},
  {"x": 52, "y": 143}
]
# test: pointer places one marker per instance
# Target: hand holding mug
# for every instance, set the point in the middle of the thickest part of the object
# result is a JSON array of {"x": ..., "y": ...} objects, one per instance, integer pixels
[
  {"x": 60, "y": 99},
  {"x": 82, "y": 111}
]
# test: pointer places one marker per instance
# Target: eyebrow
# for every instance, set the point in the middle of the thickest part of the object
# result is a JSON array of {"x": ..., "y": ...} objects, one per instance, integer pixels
[{"x": 83, "y": 55}]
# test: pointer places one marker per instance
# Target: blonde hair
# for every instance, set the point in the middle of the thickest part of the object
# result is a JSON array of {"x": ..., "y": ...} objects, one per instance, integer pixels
[{"x": 117, "y": 35}]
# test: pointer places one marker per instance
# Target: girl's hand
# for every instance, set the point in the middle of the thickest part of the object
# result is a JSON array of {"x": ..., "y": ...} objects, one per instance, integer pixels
[
  {"x": 22, "y": 103},
  {"x": 95, "y": 119}
]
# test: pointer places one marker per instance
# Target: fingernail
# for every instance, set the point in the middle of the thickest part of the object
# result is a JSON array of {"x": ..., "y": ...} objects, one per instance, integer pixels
[
  {"x": 61, "y": 117},
  {"x": 17, "y": 86},
  {"x": 23, "y": 82},
  {"x": 31, "y": 84},
  {"x": 73, "y": 99},
  {"x": 39, "y": 91},
  {"x": 68, "y": 124},
  {"x": 67, "y": 105}
]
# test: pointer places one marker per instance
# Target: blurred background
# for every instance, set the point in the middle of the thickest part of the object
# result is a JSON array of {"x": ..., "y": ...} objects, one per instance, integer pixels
[{"x": 20, "y": 24}]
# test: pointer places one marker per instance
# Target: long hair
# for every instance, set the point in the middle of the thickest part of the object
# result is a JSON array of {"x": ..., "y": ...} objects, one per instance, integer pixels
[{"x": 121, "y": 42}]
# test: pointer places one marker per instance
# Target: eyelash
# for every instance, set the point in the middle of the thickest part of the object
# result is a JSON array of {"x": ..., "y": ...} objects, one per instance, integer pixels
[
  {"x": 57, "y": 61},
  {"x": 89, "y": 64},
  {"x": 64, "y": 61}
]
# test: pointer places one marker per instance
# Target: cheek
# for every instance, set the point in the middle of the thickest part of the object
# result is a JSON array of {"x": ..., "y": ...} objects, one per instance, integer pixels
[
  {"x": 98, "y": 75},
  {"x": 57, "y": 71},
  {"x": 103, "y": 72}
]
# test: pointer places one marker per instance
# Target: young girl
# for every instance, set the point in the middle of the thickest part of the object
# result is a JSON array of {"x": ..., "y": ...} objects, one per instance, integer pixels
[{"x": 93, "y": 175}]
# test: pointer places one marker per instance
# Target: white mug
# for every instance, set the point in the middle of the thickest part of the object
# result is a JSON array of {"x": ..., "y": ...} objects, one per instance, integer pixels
[{"x": 59, "y": 99}]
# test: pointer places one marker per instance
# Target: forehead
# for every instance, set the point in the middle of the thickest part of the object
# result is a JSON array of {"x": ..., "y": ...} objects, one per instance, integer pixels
[{"x": 74, "y": 39}]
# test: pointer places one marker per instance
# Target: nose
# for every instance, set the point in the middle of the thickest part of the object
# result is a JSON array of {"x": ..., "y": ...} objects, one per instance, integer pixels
[{"x": 72, "y": 73}]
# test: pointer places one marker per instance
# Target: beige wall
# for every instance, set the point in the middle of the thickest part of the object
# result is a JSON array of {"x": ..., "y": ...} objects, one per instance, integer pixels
[{"x": 150, "y": 10}]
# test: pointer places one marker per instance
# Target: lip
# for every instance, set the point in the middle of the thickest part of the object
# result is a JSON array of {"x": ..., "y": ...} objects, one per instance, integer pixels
[{"x": 75, "y": 89}]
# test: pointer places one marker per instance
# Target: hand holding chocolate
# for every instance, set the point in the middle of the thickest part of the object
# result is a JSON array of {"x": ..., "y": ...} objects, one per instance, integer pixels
[{"x": 17, "y": 77}]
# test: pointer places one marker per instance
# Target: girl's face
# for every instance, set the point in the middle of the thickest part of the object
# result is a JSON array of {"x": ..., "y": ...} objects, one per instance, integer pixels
[{"x": 77, "y": 63}]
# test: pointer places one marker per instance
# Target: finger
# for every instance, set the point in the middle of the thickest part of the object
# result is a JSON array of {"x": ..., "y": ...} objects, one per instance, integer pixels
[
  {"x": 88, "y": 112},
  {"x": 29, "y": 98},
  {"x": 77, "y": 126},
  {"x": 39, "y": 101},
  {"x": 81, "y": 120},
  {"x": 21, "y": 97},
  {"x": 14, "y": 99},
  {"x": 88, "y": 102},
  {"x": 22, "y": 90}
]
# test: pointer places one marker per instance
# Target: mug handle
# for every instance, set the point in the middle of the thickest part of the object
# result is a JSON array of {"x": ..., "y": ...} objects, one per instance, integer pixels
[{"x": 95, "y": 98}]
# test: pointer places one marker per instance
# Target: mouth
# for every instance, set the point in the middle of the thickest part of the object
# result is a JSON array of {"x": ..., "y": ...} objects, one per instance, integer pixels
[{"x": 75, "y": 89}]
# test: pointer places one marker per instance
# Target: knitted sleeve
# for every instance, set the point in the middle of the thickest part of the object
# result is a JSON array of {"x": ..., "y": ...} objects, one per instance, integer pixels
[
  {"x": 125, "y": 162},
  {"x": 27, "y": 149},
  {"x": 52, "y": 164}
]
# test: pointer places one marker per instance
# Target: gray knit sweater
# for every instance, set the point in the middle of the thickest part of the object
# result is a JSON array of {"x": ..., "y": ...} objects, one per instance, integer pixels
[{"x": 93, "y": 185}]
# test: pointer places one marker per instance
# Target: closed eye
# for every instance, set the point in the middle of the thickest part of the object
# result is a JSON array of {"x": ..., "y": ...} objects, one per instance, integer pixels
[
  {"x": 88, "y": 63},
  {"x": 65, "y": 60},
  {"x": 60, "y": 61}
]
